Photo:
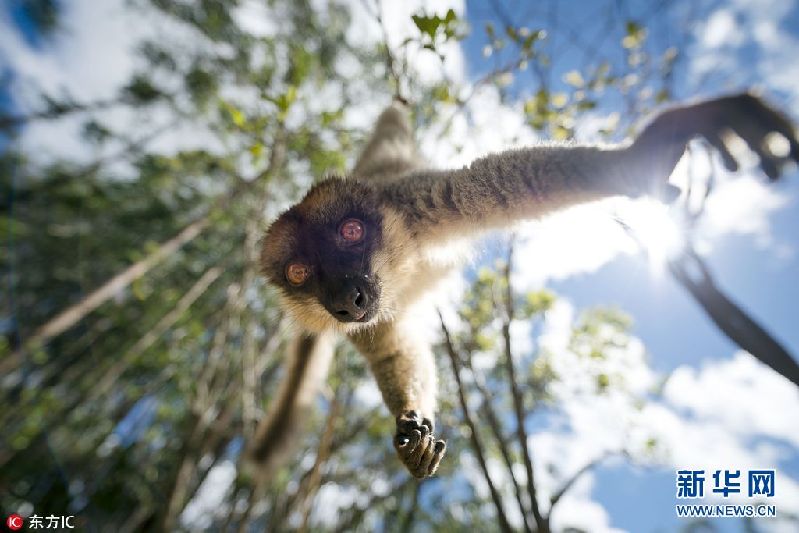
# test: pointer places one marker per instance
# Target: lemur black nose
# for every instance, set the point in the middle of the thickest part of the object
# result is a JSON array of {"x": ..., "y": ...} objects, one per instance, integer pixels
[{"x": 351, "y": 305}]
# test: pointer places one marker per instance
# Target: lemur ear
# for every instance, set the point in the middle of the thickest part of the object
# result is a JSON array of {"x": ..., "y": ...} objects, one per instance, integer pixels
[{"x": 277, "y": 245}]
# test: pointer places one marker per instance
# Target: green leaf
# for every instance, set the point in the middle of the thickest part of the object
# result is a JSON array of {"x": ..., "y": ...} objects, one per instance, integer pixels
[
  {"x": 510, "y": 31},
  {"x": 490, "y": 32},
  {"x": 235, "y": 115},
  {"x": 531, "y": 39},
  {"x": 427, "y": 25},
  {"x": 284, "y": 101},
  {"x": 442, "y": 94},
  {"x": 256, "y": 150},
  {"x": 433, "y": 26},
  {"x": 561, "y": 133},
  {"x": 636, "y": 34},
  {"x": 141, "y": 90}
]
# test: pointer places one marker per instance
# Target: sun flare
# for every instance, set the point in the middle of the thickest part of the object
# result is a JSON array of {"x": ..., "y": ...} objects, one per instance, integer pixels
[{"x": 655, "y": 228}]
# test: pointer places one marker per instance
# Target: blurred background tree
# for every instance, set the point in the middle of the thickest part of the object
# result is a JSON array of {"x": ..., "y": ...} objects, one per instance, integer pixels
[{"x": 140, "y": 346}]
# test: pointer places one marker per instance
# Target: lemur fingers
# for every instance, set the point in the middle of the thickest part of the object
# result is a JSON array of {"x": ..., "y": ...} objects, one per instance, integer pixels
[
  {"x": 416, "y": 445},
  {"x": 432, "y": 457}
]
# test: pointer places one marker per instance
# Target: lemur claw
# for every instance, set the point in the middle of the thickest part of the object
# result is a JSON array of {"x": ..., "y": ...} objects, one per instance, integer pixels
[{"x": 416, "y": 445}]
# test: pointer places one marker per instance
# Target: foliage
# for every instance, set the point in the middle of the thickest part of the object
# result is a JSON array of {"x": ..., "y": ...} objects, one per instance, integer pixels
[{"x": 122, "y": 418}]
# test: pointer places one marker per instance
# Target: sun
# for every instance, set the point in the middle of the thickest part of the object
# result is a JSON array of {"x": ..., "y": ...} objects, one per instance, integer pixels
[{"x": 654, "y": 226}]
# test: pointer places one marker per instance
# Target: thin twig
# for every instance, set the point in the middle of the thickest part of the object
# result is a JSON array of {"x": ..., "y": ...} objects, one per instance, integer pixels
[
  {"x": 76, "y": 312},
  {"x": 518, "y": 408},
  {"x": 8, "y": 122},
  {"x": 148, "y": 339},
  {"x": 504, "y": 525},
  {"x": 391, "y": 62},
  {"x": 555, "y": 498},
  {"x": 496, "y": 430}
]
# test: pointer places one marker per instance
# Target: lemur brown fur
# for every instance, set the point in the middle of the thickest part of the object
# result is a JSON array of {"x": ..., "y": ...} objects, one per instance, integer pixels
[{"x": 407, "y": 212}]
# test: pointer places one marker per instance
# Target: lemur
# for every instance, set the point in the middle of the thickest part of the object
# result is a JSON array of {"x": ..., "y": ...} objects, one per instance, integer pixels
[{"x": 356, "y": 254}]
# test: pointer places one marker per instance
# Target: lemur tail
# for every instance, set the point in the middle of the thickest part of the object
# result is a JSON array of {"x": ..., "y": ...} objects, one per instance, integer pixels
[
  {"x": 391, "y": 149},
  {"x": 307, "y": 367}
]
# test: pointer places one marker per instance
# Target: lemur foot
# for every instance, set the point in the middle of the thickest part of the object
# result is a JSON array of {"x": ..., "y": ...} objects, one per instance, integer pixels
[{"x": 416, "y": 445}]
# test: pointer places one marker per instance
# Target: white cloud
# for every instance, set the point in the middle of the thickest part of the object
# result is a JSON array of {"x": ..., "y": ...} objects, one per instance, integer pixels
[
  {"x": 85, "y": 59},
  {"x": 486, "y": 125},
  {"x": 748, "y": 398},
  {"x": 585, "y": 426},
  {"x": 742, "y": 206},
  {"x": 733, "y": 414},
  {"x": 578, "y": 510},
  {"x": 90, "y": 62},
  {"x": 557, "y": 327},
  {"x": 367, "y": 394},
  {"x": 721, "y": 29},
  {"x": 572, "y": 242},
  {"x": 75, "y": 60},
  {"x": 757, "y": 27},
  {"x": 331, "y": 499}
]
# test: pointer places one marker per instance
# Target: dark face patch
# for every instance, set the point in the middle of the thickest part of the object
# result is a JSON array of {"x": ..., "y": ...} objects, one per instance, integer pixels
[{"x": 310, "y": 233}]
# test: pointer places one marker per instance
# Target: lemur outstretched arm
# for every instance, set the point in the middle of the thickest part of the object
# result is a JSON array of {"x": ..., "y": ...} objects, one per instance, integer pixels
[{"x": 499, "y": 189}]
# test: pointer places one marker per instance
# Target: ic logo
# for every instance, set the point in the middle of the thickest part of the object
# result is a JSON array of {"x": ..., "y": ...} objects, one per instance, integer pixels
[{"x": 15, "y": 522}]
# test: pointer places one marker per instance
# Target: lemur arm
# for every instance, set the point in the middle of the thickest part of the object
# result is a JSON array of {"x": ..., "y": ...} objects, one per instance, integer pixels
[
  {"x": 405, "y": 371},
  {"x": 500, "y": 189}
]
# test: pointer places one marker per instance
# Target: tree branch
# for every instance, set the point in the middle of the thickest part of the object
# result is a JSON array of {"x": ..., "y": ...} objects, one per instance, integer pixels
[
  {"x": 496, "y": 430},
  {"x": 76, "y": 312},
  {"x": 149, "y": 338},
  {"x": 518, "y": 408},
  {"x": 555, "y": 498},
  {"x": 8, "y": 122},
  {"x": 504, "y": 525}
]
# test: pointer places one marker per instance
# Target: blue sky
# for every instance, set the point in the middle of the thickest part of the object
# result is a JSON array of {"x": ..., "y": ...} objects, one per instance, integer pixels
[
  {"x": 751, "y": 243},
  {"x": 767, "y": 286},
  {"x": 674, "y": 329}
]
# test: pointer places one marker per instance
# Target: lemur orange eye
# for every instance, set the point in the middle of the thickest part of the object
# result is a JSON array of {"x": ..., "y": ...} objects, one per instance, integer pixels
[
  {"x": 352, "y": 230},
  {"x": 297, "y": 273}
]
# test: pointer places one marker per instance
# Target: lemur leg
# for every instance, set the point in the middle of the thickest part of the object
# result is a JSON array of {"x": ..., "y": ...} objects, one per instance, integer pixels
[
  {"x": 309, "y": 358},
  {"x": 405, "y": 371}
]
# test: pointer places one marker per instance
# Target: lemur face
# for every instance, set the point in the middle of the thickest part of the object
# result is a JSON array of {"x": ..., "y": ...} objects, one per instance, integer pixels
[{"x": 319, "y": 254}]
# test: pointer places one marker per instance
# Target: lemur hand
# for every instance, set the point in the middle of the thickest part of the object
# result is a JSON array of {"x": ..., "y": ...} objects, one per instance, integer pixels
[
  {"x": 416, "y": 445},
  {"x": 745, "y": 115}
]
